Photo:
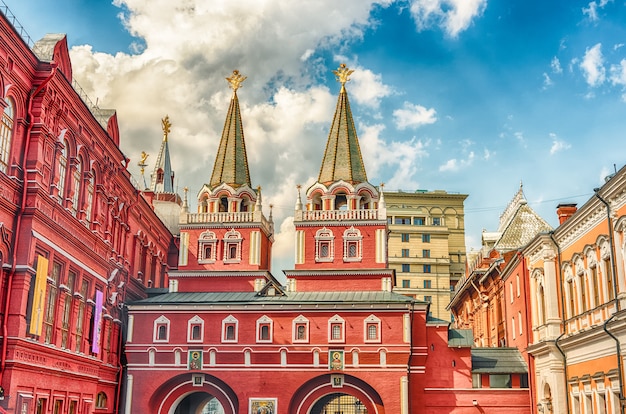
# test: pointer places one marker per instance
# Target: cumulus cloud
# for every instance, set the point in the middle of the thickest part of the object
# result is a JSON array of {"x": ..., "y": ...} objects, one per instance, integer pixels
[
  {"x": 558, "y": 144},
  {"x": 592, "y": 66},
  {"x": 453, "y": 16},
  {"x": 414, "y": 116},
  {"x": 618, "y": 73},
  {"x": 367, "y": 87}
]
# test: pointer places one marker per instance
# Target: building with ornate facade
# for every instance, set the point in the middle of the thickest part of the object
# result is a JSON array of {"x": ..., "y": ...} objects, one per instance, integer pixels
[
  {"x": 427, "y": 245},
  {"x": 577, "y": 279},
  {"x": 77, "y": 240},
  {"x": 335, "y": 338}
]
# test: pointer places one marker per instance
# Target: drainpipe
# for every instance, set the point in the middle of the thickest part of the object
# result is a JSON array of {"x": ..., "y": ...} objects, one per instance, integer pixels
[
  {"x": 556, "y": 341},
  {"x": 617, "y": 304},
  {"x": 18, "y": 218}
]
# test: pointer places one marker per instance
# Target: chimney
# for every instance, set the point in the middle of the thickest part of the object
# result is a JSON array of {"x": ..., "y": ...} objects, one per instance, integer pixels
[{"x": 565, "y": 211}]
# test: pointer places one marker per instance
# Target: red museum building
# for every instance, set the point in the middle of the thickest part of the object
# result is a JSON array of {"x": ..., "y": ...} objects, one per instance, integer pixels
[{"x": 77, "y": 240}]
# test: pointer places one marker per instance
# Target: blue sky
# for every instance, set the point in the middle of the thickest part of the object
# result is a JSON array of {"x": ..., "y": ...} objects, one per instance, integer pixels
[{"x": 468, "y": 96}]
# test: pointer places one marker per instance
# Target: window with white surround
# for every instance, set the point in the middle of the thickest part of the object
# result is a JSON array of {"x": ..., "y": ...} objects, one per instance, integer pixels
[
  {"x": 6, "y": 134},
  {"x": 300, "y": 329},
  {"x": 336, "y": 329},
  {"x": 513, "y": 327},
  {"x": 161, "y": 329},
  {"x": 324, "y": 245},
  {"x": 207, "y": 247},
  {"x": 519, "y": 322},
  {"x": 518, "y": 285},
  {"x": 511, "y": 290},
  {"x": 352, "y": 245},
  {"x": 62, "y": 172},
  {"x": 195, "y": 329},
  {"x": 264, "y": 329},
  {"x": 232, "y": 246},
  {"x": 77, "y": 176},
  {"x": 230, "y": 330},
  {"x": 371, "y": 328}
]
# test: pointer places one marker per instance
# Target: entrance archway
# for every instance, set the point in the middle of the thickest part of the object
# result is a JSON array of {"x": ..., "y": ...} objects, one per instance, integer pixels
[
  {"x": 199, "y": 403},
  {"x": 349, "y": 394},
  {"x": 191, "y": 393}
]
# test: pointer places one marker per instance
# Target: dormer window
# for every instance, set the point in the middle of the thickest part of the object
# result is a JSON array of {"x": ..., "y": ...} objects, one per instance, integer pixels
[
  {"x": 352, "y": 245},
  {"x": 324, "y": 245}
]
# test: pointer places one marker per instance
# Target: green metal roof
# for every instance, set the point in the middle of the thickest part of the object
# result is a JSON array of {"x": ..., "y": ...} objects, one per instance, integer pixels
[
  {"x": 498, "y": 361},
  {"x": 460, "y": 338},
  {"x": 342, "y": 157},
  {"x": 231, "y": 163},
  {"x": 289, "y": 297}
]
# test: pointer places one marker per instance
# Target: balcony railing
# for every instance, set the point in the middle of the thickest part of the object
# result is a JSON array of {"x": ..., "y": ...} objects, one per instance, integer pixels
[
  {"x": 226, "y": 217},
  {"x": 338, "y": 215}
]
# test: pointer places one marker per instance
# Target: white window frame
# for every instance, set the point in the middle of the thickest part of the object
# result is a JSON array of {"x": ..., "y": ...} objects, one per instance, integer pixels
[
  {"x": 324, "y": 236},
  {"x": 260, "y": 323},
  {"x": 337, "y": 321},
  {"x": 207, "y": 239},
  {"x": 230, "y": 320},
  {"x": 300, "y": 321},
  {"x": 161, "y": 321},
  {"x": 232, "y": 238},
  {"x": 372, "y": 320},
  {"x": 195, "y": 321},
  {"x": 351, "y": 237}
]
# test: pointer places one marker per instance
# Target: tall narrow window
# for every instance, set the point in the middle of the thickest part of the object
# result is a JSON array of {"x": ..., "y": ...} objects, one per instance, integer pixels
[
  {"x": 6, "y": 134},
  {"x": 207, "y": 247},
  {"x": 352, "y": 248},
  {"x": 80, "y": 318},
  {"x": 264, "y": 329},
  {"x": 195, "y": 328},
  {"x": 232, "y": 246},
  {"x": 89, "y": 198},
  {"x": 161, "y": 329},
  {"x": 51, "y": 302},
  {"x": 371, "y": 327},
  {"x": 67, "y": 309},
  {"x": 336, "y": 329},
  {"x": 300, "y": 329},
  {"x": 62, "y": 172},
  {"x": 77, "y": 175},
  {"x": 229, "y": 329},
  {"x": 324, "y": 245}
]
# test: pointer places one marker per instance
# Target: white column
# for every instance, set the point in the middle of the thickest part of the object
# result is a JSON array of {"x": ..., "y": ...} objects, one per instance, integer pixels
[
  {"x": 404, "y": 395},
  {"x": 129, "y": 394}
]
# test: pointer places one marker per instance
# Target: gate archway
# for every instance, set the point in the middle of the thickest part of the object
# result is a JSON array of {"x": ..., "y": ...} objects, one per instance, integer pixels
[
  {"x": 190, "y": 393},
  {"x": 341, "y": 390}
]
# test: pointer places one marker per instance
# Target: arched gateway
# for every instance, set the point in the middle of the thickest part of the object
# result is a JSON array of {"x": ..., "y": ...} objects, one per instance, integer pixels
[
  {"x": 336, "y": 393},
  {"x": 185, "y": 395}
]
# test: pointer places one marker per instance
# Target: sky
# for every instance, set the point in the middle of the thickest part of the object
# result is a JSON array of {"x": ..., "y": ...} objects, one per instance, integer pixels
[{"x": 467, "y": 96}]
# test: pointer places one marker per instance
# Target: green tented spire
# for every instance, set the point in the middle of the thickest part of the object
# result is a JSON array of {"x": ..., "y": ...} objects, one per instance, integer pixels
[
  {"x": 231, "y": 163},
  {"x": 342, "y": 157}
]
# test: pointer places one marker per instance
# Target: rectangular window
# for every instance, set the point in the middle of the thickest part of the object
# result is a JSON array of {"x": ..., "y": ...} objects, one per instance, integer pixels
[
  {"x": 230, "y": 330},
  {"x": 372, "y": 331},
  {"x": 499, "y": 381},
  {"x": 301, "y": 332},
  {"x": 518, "y": 286},
  {"x": 513, "y": 327},
  {"x": 405, "y": 237},
  {"x": 427, "y": 284},
  {"x": 51, "y": 303},
  {"x": 406, "y": 268},
  {"x": 264, "y": 332},
  {"x": 476, "y": 381},
  {"x": 426, "y": 253},
  {"x": 402, "y": 220},
  {"x": 519, "y": 321},
  {"x": 336, "y": 334},
  {"x": 162, "y": 332},
  {"x": 511, "y": 291},
  {"x": 426, "y": 268},
  {"x": 418, "y": 221},
  {"x": 405, "y": 252},
  {"x": 426, "y": 238},
  {"x": 428, "y": 299},
  {"x": 436, "y": 221},
  {"x": 406, "y": 283}
]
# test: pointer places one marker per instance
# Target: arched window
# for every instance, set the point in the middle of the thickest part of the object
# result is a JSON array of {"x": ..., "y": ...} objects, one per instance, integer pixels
[
  {"x": 207, "y": 247},
  {"x": 582, "y": 284},
  {"x": 77, "y": 175},
  {"x": 264, "y": 329},
  {"x": 159, "y": 177},
  {"x": 161, "y": 329},
  {"x": 101, "y": 400},
  {"x": 62, "y": 172},
  {"x": 232, "y": 246},
  {"x": 6, "y": 133},
  {"x": 324, "y": 245},
  {"x": 89, "y": 198},
  {"x": 352, "y": 245},
  {"x": 229, "y": 329}
]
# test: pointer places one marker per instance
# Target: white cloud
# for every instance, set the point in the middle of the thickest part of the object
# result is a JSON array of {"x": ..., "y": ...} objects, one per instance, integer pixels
[
  {"x": 368, "y": 88},
  {"x": 592, "y": 11},
  {"x": 456, "y": 165},
  {"x": 414, "y": 116},
  {"x": 520, "y": 137},
  {"x": 618, "y": 73},
  {"x": 547, "y": 82},
  {"x": 618, "y": 46},
  {"x": 555, "y": 64},
  {"x": 592, "y": 66},
  {"x": 454, "y": 16},
  {"x": 558, "y": 144}
]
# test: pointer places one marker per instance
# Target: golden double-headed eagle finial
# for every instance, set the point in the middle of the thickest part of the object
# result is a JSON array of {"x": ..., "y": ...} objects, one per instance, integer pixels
[
  {"x": 343, "y": 74},
  {"x": 166, "y": 125},
  {"x": 236, "y": 80}
]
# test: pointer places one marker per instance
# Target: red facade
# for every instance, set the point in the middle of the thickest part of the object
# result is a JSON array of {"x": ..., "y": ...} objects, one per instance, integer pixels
[{"x": 74, "y": 233}]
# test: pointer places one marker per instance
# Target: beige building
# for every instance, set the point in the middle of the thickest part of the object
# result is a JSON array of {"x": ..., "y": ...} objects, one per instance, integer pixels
[{"x": 427, "y": 245}]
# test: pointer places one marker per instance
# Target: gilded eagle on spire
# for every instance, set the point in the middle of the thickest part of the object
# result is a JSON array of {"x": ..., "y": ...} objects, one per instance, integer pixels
[
  {"x": 343, "y": 74},
  {"x": 236, "y": 80}
]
